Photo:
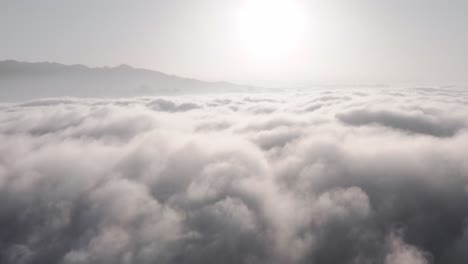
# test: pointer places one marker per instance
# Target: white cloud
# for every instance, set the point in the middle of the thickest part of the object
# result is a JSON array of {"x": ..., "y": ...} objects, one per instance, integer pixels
[{"x": 232, "y": 179}]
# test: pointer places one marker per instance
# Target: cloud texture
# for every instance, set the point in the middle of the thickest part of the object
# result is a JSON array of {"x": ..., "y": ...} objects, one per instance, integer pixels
[{"x": 337, "y": 176}]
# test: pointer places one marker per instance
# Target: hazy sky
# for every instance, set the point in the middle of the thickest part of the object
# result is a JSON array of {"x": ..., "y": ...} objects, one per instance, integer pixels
[{"x": 276, "y": 42}]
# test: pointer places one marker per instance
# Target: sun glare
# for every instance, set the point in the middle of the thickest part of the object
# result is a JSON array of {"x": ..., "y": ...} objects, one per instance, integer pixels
[{"x": 270, "y": 29}]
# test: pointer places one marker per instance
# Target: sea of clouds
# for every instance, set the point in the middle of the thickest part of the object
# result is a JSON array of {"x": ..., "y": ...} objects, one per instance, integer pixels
[{"x": 324, "y": 176}]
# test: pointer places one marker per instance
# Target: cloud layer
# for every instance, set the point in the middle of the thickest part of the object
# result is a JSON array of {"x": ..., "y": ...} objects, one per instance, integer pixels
[{"x": 329, "y": 176}]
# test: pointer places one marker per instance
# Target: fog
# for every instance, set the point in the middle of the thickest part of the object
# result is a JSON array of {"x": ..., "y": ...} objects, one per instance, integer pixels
[{"x": 317, "y": 176}]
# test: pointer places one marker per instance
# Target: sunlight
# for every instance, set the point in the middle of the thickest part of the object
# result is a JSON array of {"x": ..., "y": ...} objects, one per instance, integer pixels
[{"x": 270, "y": 29}]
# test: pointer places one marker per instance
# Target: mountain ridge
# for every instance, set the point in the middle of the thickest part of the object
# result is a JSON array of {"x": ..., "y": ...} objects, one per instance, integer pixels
[{"x": 31, "y": 80}]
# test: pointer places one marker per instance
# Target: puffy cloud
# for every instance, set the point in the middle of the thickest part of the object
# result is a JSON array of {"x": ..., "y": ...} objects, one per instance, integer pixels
[
  {"x": 170, "y": 106},
  {"x": 343, "y": 176},
  {"x": 421, "y": 124},
  {"x": 403, "y": 253}
]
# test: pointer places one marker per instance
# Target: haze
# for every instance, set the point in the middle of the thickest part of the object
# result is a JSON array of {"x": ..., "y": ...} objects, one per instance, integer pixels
[{"x": 337, "y": 41}]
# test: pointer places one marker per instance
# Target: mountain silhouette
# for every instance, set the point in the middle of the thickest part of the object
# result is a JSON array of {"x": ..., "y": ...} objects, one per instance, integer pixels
[{"x": 26, "y": 81}]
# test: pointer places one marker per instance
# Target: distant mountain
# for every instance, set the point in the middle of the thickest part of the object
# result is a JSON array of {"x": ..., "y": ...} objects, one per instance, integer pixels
[{"x": 25, "y": 81}]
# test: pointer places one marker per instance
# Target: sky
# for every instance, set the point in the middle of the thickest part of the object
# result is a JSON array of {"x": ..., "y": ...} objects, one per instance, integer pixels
[{"x": 281, "y": 43}]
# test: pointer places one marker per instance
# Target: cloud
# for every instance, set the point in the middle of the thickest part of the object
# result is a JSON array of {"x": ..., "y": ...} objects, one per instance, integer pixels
[
  {"x": 422, "y": 124},
  {"x": 170, "y": 106},
  {"x": 403, "y": 253},
  {"x": 380, "y": 178}
]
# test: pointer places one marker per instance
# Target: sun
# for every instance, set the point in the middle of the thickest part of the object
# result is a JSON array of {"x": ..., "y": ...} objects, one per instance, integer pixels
[{"x": 270, "y": 29}]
